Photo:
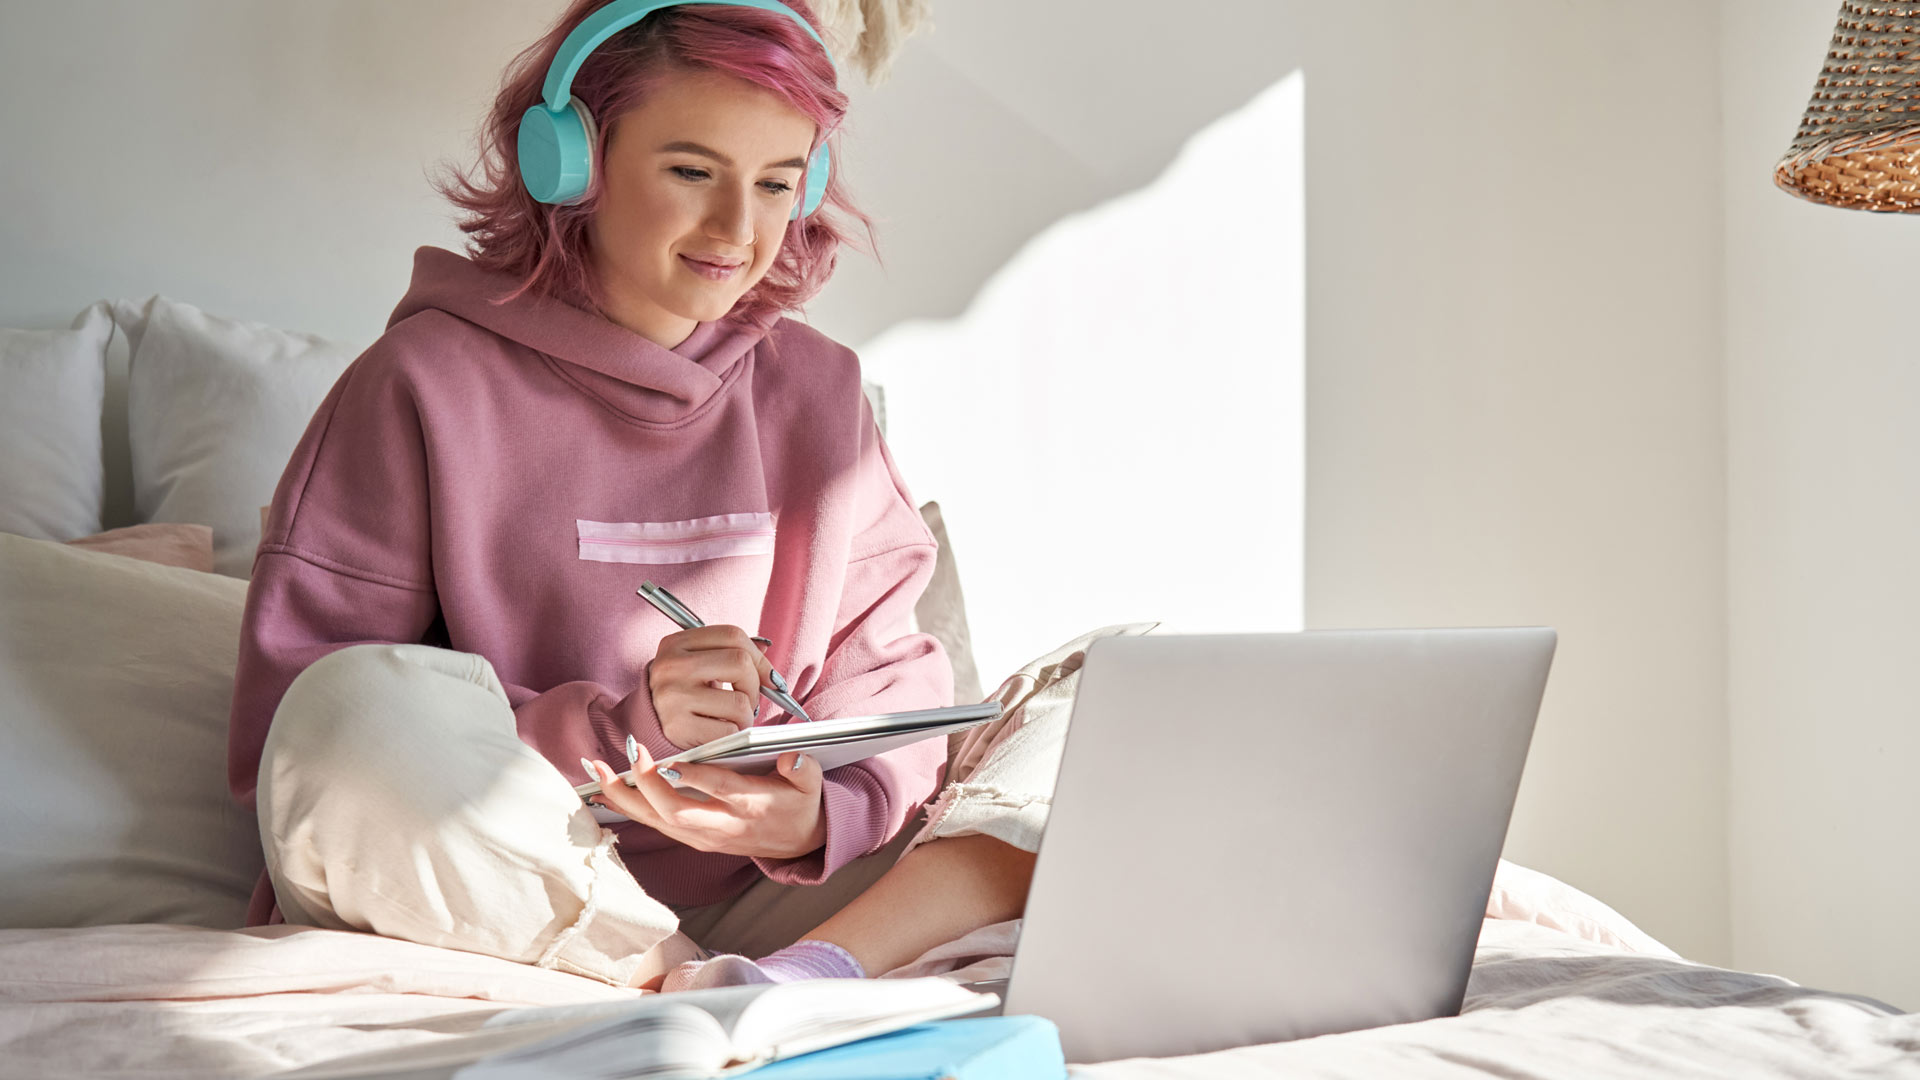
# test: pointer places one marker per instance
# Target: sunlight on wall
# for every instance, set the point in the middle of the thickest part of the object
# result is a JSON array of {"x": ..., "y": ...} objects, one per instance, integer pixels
[{"x": 1115, "y": 427}]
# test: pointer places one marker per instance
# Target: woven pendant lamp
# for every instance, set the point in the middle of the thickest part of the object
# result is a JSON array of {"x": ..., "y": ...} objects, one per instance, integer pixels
[{"x": 1859, "y": 142}]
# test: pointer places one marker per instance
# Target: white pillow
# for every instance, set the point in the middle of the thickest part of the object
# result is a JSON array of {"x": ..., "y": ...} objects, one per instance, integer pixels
[
  {"x": 214, "y": 409},
  {"x": 116, "y": 678},
  {"x": 52, "y": 383}
]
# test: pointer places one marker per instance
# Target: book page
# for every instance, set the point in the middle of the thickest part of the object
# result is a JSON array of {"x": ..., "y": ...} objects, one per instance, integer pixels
[
  {"x": 837, "y": 742},
  {"x": 800, "y": 1017},
  {"x": 796, "y": 735},
  {"x": 830, "y": 753},
  {"x": 723, "y": 1003},
  {"x": 704, "y": 1033},
  {"x": 657, "y": 1036}
]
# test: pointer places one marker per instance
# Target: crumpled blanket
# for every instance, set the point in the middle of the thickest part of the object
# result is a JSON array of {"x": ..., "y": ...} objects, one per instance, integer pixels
[
  {"x": 1561, "y": 986},
  {"x": 1518, "y": 894},
  {"x": 1541, "y": 1003}
]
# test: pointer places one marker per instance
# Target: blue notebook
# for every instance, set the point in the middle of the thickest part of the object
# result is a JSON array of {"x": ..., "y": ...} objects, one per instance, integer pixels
[{"x": 985, "y": 1048}]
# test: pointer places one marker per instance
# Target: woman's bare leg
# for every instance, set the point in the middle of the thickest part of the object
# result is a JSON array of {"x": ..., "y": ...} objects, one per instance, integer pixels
[{"x": 936, "y": 893}]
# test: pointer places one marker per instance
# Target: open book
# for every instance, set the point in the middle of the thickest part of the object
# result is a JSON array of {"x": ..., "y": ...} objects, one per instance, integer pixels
[
  {"x": 690, "y": 1035},
  {"x": 832, "y": 743},
  {"x": 719, "y": 1032}
]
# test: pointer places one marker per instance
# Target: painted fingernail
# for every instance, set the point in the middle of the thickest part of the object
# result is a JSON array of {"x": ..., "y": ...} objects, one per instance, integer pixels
[
  {"x": 668, "y": 774},
  {"x": 762, "y": 642},
  {"x": 588, "y": 766},
  {"x": 633, "y": 750}
]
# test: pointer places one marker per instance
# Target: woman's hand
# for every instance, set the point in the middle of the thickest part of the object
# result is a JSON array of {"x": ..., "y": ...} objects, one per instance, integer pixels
[
  {"x": 777, "y": 816},
  {"x": 706, "y": 683}
]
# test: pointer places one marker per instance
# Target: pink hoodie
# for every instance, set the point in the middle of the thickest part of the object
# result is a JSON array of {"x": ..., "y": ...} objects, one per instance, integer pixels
[{"x": 499, "y": 479}]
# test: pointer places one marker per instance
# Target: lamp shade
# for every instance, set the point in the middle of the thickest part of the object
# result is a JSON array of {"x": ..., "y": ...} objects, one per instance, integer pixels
[{"x": 1859, "y": 142}]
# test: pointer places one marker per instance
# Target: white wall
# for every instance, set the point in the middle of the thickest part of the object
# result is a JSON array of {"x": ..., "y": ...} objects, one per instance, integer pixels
[
  {"x": 1514, "y": 386},
  {"x": 264, "y": 161},
  {"x": 1514, "y": 398},
  {"x": 1116, "y": 426},
  {"x": 1513, "y": 326},
  {"x": 1823, "y": 399}
]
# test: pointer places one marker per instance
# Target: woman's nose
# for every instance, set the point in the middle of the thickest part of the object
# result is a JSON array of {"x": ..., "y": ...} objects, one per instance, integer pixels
[{"x": 731, "y": 219}]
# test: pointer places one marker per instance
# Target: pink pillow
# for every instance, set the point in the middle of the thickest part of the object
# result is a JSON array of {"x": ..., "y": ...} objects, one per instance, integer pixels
[{"x": 166, "y": 543}]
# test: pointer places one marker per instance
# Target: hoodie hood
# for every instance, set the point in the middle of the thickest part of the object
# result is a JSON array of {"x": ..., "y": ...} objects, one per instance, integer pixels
[{"x": 631, "y": 373}]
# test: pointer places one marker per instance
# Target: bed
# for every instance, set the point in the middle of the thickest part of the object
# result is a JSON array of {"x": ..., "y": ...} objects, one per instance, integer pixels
[{"x": 126, "y": 869}]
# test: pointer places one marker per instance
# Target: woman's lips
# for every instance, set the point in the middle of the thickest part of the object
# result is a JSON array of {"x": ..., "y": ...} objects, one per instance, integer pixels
[{"x": 708, "y": 270}]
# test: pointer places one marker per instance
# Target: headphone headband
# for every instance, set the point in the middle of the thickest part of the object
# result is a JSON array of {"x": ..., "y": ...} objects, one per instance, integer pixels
[
  {"x": 596, "y": 28},
  {"x": 558, "y": 136}
]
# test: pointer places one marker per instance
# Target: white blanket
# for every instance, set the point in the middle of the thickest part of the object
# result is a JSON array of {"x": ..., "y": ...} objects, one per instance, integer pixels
[
  {"x": 1561, "y": 986},
  {"x": 1541, "y": 1003}
]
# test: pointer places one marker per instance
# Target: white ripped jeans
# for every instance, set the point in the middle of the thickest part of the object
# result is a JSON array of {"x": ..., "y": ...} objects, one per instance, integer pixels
[{"x": 396, "y": 798}]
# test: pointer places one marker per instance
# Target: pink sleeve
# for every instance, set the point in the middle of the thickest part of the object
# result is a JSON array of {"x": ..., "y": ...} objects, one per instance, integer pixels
[
  {"x": 299, "y": 610},
  {"x": 876, "y": 664},
  {"x": 584, "y": 719},
  {"x": 343, "y": 557}
]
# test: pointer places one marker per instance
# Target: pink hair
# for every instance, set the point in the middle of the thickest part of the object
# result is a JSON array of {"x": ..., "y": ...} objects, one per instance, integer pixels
[{"x": 545, "y": 246}]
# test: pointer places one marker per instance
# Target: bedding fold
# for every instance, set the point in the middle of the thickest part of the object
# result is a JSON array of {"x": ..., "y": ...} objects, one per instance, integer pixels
[{"x": 1563, "y": 987}]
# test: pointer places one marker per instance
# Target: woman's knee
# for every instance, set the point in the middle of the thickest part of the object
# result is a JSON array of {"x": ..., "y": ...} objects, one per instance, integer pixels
[
  {"x": 390, "y": 731},
  {"x": 362, "y": 700}
]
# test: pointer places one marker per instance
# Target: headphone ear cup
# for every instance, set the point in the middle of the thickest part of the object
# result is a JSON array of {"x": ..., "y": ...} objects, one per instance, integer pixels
[
  {"x": 590, "y": 144},
  {"x": 817, "y": 171},
  {"x": 556, "y": 152}
]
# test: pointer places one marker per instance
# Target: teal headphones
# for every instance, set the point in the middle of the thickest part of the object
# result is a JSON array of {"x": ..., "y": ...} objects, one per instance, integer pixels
[{"x": 558, "y": 135}]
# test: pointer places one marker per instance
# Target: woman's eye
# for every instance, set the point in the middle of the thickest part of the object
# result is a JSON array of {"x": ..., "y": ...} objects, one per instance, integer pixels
[{"x": 774, "y": 187}]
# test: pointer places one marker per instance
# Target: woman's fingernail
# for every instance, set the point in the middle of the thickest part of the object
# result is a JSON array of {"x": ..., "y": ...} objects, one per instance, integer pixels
[
  {"x": 800, "y": 763},
  {"x": 633, "y": 750},
  {"x": 762, "y": 642},
  {"x": 592, "y": 774},
  {"x": 668, "y": 774}
]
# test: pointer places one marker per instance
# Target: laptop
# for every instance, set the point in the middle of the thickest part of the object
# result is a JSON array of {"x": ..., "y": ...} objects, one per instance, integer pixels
[{"x": 1261, "y": 837}]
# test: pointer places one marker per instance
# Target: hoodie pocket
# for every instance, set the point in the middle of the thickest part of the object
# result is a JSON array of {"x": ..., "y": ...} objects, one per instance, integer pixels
[{"x": 692, "y": 540}]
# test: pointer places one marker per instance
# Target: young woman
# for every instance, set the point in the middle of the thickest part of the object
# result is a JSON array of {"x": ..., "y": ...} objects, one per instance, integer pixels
[{"x": 442, "y": 634}]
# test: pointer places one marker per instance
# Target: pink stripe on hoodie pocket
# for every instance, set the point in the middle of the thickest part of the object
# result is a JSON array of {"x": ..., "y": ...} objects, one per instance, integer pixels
[{"x": 676, "y": 541}]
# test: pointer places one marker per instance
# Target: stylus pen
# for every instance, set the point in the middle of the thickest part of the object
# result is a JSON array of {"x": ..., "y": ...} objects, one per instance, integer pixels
[{"x": 683, "y": 617}]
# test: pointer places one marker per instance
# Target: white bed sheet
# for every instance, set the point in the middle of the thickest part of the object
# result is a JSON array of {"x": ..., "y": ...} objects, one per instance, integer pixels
[
  {"x": 1541, "y": 1003},
  {"x": 1561, "y": 987}
]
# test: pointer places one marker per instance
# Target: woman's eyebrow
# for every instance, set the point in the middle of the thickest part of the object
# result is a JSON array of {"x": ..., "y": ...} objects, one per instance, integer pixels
[{"x": 696, "y": 148}]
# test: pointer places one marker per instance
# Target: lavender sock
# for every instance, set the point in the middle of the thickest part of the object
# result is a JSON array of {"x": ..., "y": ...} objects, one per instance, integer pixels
[{"x": 808, "y": 959}]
